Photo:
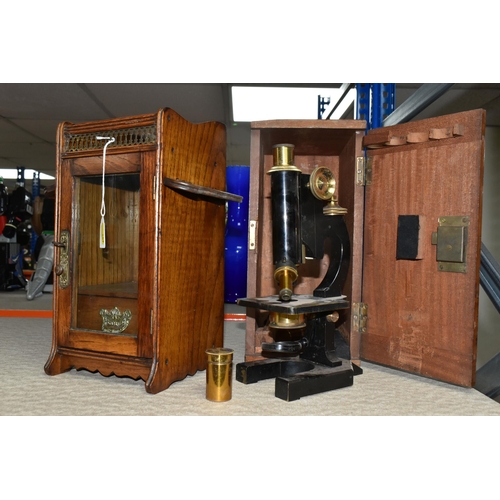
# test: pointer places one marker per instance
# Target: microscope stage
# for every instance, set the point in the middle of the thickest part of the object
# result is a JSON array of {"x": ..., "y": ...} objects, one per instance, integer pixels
[{"x": 300, "y": 304}]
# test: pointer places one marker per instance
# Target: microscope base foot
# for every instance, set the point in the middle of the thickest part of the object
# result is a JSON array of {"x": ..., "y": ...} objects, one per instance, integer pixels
[{"x": 298, "y": 378}]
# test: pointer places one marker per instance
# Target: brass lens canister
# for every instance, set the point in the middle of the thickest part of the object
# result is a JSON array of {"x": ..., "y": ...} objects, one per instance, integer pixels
[{"x": 219, "y": 374}]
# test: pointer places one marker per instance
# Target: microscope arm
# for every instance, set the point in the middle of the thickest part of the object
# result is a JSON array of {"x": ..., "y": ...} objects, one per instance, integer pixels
[{"x": 317, "y": 228}]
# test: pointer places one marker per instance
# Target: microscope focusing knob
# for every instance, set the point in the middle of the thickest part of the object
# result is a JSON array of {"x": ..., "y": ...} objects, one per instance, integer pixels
[{"x": 322, "y": 183}]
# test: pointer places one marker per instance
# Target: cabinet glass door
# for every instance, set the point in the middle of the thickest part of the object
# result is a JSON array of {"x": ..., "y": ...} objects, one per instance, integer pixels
[{"x": 105, "y": 279}]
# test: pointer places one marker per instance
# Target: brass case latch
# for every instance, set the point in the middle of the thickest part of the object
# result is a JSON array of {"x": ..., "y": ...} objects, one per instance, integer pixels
[{"x": 451, "y": 243}]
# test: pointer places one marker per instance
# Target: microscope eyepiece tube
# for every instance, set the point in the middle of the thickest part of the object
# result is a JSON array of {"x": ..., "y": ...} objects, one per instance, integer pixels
[
  {"x": 287, "y": 244},
  {"x": 283, "y": 155},
  {"x": 285, "y": 206}
]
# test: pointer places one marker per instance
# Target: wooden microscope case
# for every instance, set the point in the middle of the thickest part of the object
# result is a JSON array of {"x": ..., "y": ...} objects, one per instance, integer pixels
[
  {"x": 414, "y": 215},
  {"x": 165, "y": 247}
]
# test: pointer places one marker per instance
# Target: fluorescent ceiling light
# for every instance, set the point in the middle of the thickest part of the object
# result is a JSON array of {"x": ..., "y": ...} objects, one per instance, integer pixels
[
  {"x": 276, "y": 103},
  {"x": 11, "y": 173}
]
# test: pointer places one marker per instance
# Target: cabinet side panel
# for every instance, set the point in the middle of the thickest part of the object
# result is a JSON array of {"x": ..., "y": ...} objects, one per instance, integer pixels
[
  {"x": 253, "y": 254},
  {"x": 148, "y": 266},
  {"x": 351, "y": 196},
  {"x": 191, "y": 262}
]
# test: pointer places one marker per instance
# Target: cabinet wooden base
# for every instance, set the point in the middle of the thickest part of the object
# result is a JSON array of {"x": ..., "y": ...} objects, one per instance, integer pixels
[{"x": 106, "y": 364}]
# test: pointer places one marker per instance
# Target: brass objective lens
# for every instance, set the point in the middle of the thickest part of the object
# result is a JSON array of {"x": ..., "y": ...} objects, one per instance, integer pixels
[{"x": 285, "y": 277}]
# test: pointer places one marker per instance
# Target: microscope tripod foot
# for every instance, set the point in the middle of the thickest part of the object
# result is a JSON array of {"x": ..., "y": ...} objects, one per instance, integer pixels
[{"x": 298, "y": 377}]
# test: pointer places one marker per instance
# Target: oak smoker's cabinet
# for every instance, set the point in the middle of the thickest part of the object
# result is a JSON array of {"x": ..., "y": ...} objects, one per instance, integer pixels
[
  {"x": 151, "y": 302},
  {"x": 414, "y": 217}
]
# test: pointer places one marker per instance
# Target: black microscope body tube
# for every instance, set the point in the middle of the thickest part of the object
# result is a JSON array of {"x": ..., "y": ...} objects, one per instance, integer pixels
[{"x": 285, "y": 202}]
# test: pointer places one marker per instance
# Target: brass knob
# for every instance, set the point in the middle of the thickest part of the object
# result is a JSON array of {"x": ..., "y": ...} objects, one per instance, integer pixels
[
  {"x": 333, "y": 317},
  {"x": 58, "y": 269}
]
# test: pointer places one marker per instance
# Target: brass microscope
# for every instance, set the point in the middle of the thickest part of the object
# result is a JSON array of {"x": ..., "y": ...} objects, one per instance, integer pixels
[{"x": 308, "y": 355}]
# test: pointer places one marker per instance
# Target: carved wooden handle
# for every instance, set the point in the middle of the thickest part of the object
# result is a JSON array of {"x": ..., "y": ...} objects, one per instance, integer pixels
[{"x": 201, "y": 190}]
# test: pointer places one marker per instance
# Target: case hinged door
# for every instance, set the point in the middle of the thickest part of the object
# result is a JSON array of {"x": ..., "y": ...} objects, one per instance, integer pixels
[{"x": 424, "y": 320}]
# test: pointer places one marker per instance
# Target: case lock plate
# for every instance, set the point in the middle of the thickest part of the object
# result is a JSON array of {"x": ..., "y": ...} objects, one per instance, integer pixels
[
  {"x": 451, "y": 243},
  {"x": 62, "y": 268}
]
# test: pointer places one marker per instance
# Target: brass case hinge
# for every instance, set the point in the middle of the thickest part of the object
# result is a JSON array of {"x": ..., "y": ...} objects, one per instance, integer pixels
[
  {"x": 359, "y": 317},
  {"x": 364, "y": 171}
]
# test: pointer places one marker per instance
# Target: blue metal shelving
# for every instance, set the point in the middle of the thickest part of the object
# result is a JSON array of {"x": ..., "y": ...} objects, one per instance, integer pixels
[{"x": 374, "y": 102}]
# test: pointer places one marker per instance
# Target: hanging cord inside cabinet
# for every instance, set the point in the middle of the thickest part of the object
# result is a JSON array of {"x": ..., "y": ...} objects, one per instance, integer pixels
[{"x": 102, "y": 227}]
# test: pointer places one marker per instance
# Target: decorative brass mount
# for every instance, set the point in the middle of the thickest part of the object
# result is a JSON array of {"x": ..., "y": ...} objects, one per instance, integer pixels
[{"x": 115, "y": 321}]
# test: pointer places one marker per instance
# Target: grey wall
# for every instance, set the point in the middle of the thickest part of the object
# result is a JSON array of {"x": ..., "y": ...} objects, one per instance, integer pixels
[{"x": 489, "y": 319}]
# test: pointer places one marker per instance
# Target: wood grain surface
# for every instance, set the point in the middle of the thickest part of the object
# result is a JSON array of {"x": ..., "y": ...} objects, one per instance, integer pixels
[{"x": 420, "y": 319}]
